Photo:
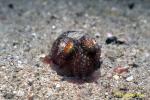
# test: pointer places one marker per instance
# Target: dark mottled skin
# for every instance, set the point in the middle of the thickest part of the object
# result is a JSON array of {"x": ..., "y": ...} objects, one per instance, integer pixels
[{"x": 82, "y": 61}]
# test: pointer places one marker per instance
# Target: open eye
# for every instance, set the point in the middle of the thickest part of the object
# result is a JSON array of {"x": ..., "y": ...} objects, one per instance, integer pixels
[
  {"x": 87, "y": 42},
  {"x": 68, "y": 47}
]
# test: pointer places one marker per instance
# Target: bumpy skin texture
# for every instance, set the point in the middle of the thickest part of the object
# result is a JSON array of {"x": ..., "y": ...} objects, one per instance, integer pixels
[{"x": 75, "y": 54}]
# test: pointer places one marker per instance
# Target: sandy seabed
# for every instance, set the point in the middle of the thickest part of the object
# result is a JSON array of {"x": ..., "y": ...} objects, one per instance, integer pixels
[{"x": 29, "y": 27}]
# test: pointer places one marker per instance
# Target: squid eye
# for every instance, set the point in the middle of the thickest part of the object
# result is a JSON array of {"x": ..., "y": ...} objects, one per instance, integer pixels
[
  {"x": 87, "y": 42},
  {"x": 68, "y": 47}
]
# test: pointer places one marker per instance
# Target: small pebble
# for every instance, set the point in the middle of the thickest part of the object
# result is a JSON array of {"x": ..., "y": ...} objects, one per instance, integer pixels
[
  {"x": 146, "y": 54},
  {"x": 97, "y": 35},
  {"x": 129, "y": 79},
  {"x": 116, "y": 77},
  {"x": 131, "y": 6},
  {"x": 120, "y": 41},
  {"x": 109, "y": 75},
  {"x": 58, "y": 86},
  {"x": 109, "y": 35},
  {"x": 49, "y": 93},
  {"x": 20, "y": 64},
  {"x": 20, "y": 93},
  {"x": 120, "y": 69},
  {"x": 34, "y": 34},
  {"x": 111, "y": 39},
  {"x": 30, "y": 83},
  {"x": 9, "y": 96},
  {"x": 134, "y": 65},
  {"x": 106, "y": 93},
  {"x": 53, "y": 17},
  {"x": 11, "y": 6},
  {"x": 42, "y": 56},
  {"x": 53, "y": 27}
]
